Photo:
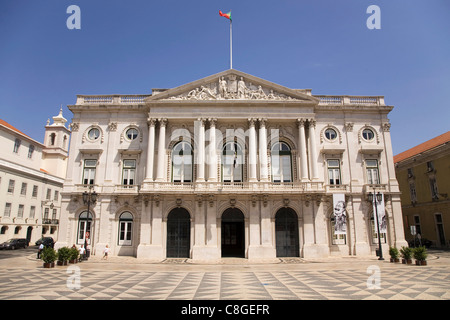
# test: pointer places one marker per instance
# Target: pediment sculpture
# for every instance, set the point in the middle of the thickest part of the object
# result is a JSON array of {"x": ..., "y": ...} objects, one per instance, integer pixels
[{"x": 231, "y": 88}]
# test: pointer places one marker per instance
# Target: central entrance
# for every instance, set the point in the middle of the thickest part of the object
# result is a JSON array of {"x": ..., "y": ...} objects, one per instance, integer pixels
[
  {"x": 178, "y": 233},
  {"x": 286, "y": 233},
  {"x": 233, "y": 233}
]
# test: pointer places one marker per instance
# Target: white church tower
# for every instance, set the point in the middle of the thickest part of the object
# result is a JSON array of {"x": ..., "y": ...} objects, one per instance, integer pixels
[{"x": 56, "y": 142}]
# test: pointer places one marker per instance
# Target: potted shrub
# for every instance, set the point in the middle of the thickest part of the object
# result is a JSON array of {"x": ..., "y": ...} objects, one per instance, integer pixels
[
  {"x": 406, "y": 253},
  {"x": 393, "y": 252},
  {"x": 420, "y": 254},
  {"x": 48, "y": 255},
  {"x": 63, "y": 256},
  {"x": 73, "y": 255}
]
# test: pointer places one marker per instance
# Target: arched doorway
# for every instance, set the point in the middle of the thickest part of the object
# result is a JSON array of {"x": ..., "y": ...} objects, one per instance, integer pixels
[
  {"x": 233, "y": 233},
  {"x": 178, "y": 233},
  {"x": 286, "y": 233}
]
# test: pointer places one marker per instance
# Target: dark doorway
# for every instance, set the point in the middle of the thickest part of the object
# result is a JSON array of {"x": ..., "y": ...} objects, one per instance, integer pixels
[
  {"x": 178, "y": 233},
  {"x": 29, "y": 232},
  {"x": 233, "y": 233},
  {"x": 286, "y": 233}
]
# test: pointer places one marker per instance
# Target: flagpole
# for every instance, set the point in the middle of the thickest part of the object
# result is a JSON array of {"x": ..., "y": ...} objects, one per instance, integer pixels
[{"x": 231, "y": 45}]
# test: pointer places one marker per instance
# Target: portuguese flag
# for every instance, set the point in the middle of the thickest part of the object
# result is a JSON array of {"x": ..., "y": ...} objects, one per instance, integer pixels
[{"x": 226, "y": 15}]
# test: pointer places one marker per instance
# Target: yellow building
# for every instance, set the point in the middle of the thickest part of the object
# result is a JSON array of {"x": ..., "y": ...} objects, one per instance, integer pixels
[{"x": 423, "y": 173}]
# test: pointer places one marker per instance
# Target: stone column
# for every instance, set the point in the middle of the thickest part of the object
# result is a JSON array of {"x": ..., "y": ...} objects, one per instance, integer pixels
[
  {"x": 264, "y": 175},
  {"x": 200, "y": 150},
  {"x": 252, "y": 151},
  {"x": 150, "y": 149},
  {"x": 161, "y": 149},
  {"x": 212, "y": 151},
  {"x": 313, "y": 151},
  {"x": 302, "y": 151}
]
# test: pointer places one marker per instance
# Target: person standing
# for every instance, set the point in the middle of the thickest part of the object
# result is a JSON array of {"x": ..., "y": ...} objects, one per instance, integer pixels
[{"x": 41, "y": 247}]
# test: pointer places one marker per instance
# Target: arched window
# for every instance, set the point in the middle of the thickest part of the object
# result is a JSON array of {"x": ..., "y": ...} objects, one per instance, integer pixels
[
  {"x": 232, "y": 162},
  {"x": 281, "y": 162},
  {"x": 52, "y": 139},
  {"x": 125, "y": 229},
  {"x": 182, "y": 162},
  {"x": 84, "y": 227}
]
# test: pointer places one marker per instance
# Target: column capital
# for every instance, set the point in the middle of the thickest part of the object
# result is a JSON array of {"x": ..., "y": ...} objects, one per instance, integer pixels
[
  {"x": 301, "y": 122},
  {"x": 262, "y": 122},
  {"x": 312, "y": 122},
  {"x": 251, "y": 122},
  {"x": 151, "y": 122},
  {"x": 212, "y": 122},
  {"x": 162, "y": 122}
]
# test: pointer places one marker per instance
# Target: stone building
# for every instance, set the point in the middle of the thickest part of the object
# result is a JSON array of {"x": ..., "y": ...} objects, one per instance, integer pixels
[
  {"x": 423, "y": 173},
  {"x": 31, "y": 180},
  {"x": 230, "y": 165}
]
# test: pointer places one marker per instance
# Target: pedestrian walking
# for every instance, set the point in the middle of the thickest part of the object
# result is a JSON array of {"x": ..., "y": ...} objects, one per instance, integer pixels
[{"x": 105, "y": 253}]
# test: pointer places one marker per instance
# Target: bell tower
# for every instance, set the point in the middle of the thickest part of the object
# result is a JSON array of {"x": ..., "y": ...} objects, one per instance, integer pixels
[{"x": 56, "y": 142}]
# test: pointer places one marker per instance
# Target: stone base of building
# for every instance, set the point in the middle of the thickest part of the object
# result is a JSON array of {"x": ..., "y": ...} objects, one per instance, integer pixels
[
  {"x": 205, "y": 253},
  {"x": 316, "y": 251},
  {"x": 148, "y": 251},
  {"x": 261, "y": 252}
]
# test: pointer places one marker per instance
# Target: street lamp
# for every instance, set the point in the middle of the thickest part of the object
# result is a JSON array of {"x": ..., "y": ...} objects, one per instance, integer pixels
[
  {"x": 375, "y": 199},
  {"x": 88, "y": 199}
]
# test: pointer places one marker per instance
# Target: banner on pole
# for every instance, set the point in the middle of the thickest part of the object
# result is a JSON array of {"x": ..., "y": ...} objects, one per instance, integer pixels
[
  {"x": 340, "y": 213},
  {"x": 381, "y": 214}
]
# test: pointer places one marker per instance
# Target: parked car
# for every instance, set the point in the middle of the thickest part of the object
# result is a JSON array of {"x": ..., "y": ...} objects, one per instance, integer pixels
[
  {"x": 14, "y": 244},
  {"x": 47, "y": 241}
]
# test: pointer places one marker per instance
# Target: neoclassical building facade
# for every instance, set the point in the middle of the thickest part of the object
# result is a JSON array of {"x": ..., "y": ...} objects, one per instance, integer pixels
[{"x": 230, "y": 165}]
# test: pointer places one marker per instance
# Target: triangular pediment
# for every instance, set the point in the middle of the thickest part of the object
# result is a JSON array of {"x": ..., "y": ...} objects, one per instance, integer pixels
[{"x": 232, "y": 85}]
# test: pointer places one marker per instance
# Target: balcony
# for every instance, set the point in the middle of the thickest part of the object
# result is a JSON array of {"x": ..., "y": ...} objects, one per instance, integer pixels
[{"x": 50, "y": 221}]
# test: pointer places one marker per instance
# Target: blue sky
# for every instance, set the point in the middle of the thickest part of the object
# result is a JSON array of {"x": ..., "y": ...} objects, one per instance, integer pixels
[{"x": 129, "y": 47}]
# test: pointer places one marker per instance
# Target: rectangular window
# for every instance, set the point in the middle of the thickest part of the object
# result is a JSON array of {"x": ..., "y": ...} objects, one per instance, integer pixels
[
  {"x": 417, "y": 224},
  {"x": 125, "y": 233},
  {"x": 89, "y": 171},
  {"x": 412, "y": 192},
  {"x": 375, "y": 233},
  {"x": 430, "y": 166},
  {"x": 32, "y": 211},
  {"x": 54, "y": 214},
  {"x": 410, "y": 173},
  {"x": 30, "y": 151},
  {"x": 372, "y": 172},
  {"x": 11, "y": 186},
  {"x": 49, "y": 193},
  {"x": 7, "y": 212},
  {"x": 23, "y": 189},
  {"x": 433, "y": 188},
  {"x": 20, "y": 211},
  {"x": 17, "y": 144},
  {"x": 35, "y": 192},
  {"x": 56, "y": 196},
  {"x": 46, "y": 213},
  {"x": 129, "y": 172},
  {"x": 334, "y": 172}
]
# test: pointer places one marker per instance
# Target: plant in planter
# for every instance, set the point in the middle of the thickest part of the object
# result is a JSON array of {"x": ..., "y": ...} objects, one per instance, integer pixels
[
  {"x": 73, "y": 255},
  {"x": 48, "y": 255},
  {"x": 63, "y": 256},
  {"x": 406, "y": 253},
  {"x": 393, "y": 252},
  {"x": 420, "y": 254}
]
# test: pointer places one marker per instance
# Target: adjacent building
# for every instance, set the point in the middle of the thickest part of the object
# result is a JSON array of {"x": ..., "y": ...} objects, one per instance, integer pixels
[
  {"x": 230, "y": 165},
  {"x": 31, "y": 180},
  {"x": 423, "y": 173}
]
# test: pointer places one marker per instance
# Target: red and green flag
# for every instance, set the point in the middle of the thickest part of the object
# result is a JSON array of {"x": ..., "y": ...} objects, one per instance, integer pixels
[{"x": 226, "y": 15}]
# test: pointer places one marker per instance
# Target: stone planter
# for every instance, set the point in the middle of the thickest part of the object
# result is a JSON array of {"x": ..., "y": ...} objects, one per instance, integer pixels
[{"x": 421, "y": 262}]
